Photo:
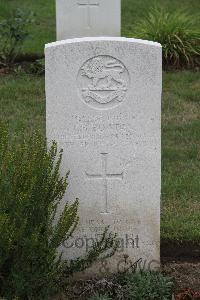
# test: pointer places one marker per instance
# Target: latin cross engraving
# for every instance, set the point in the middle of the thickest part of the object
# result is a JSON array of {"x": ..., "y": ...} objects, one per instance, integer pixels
[
  {"x": 105, "y": 176},
  {"x": 88, "y": 4}
]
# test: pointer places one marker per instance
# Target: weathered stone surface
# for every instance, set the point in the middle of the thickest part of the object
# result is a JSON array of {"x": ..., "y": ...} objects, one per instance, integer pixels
[
  {"x": 103, "y": 109},
  {"x": 80, "y": 18}
]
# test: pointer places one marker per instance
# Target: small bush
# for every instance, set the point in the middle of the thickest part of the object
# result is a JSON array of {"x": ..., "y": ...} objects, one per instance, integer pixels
[
  {"x": 177, "y": 32},
  {"x": 30, "y": 192},
  {"x": 13, "y": 32},
  {"x": 127, "y": 286},
  {"x": 148, "y": 286}
]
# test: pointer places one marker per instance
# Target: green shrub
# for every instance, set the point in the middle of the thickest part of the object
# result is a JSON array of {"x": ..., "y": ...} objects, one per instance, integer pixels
[
  {"x": 30, "y": 192},
  {"x": 147, "y": 286},
  {"x": 100, "y": 297},
  {"x": 176, "y": 31},
  {"x": 127, "y": 286},
  {"x": 13, "y": 32}
]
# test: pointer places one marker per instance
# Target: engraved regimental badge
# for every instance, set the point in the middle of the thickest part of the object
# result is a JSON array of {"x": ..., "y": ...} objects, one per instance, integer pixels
[{"x": 103, "y": 82}]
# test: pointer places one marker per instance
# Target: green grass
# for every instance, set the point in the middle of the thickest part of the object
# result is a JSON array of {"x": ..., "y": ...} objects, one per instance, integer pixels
[
  {"x": 181, "y": 156},
  {"x": 134, "y": 10},
  {"x": 44, "y": 31},
  {"x": 22, "y": 102}
]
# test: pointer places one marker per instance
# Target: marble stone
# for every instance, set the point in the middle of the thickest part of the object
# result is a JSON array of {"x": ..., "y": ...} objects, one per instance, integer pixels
[
  {"x": 81, "y": 18},
  {"x": 104, "y": 109}
]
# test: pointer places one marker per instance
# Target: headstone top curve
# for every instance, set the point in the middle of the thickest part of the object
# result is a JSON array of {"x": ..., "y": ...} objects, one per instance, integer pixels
[{"x": 97, "y": 39}]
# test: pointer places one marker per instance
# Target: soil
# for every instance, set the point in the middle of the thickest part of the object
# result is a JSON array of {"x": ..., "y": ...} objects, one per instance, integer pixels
[
  {"x": 181, "y": 260},
  {"x": 186, "y": 251},
  {"x": 186, "y": 274}
]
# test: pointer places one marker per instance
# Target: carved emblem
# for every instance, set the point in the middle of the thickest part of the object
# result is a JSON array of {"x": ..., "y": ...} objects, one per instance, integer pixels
[{"x": 103, "y": 82}]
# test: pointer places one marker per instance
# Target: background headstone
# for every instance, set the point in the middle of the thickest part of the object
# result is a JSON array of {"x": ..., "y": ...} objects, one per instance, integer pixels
[
  {"x": 81, "y": 18},
  {"x": 103, "y": 109}
]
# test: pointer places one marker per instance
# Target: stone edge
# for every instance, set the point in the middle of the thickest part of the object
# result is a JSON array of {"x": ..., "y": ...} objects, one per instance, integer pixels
[{"x": 97, "y": 39}]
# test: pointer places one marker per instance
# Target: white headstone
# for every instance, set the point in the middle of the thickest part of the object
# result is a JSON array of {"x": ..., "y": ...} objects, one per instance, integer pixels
[
  {"x": 103, "y": 109},
  {"x": 80, "y": 18}
]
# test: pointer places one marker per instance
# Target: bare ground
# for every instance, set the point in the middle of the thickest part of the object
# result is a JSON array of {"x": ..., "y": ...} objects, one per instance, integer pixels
[{"x": 186, "y": 274}]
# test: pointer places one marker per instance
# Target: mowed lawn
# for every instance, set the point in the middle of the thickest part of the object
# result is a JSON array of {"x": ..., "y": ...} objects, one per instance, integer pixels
[
  {"x": 22, "y": 102},
  {"x": 181, "y": 156}
]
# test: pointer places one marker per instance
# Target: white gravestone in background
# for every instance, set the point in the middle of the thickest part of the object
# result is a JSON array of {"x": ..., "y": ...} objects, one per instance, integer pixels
[
  {"x": 103, "y": 109},
  {"x": 80, "y": 18}
]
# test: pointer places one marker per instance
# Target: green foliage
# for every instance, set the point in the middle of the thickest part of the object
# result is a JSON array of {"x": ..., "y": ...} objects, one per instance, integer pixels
[
  {"x": 148, "y": 286},
  {"x": 30, "y": 192},
  {"x": 103, "y": 248},
  {"x": 44, "y": 31},
  {"x": 13, "y": 32},
  {"x": 128, "y": 286},
  {"x": 176, "y": 31},
  {"x": 37, "y": 67},
  {"x": 100, "y": 297}
]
